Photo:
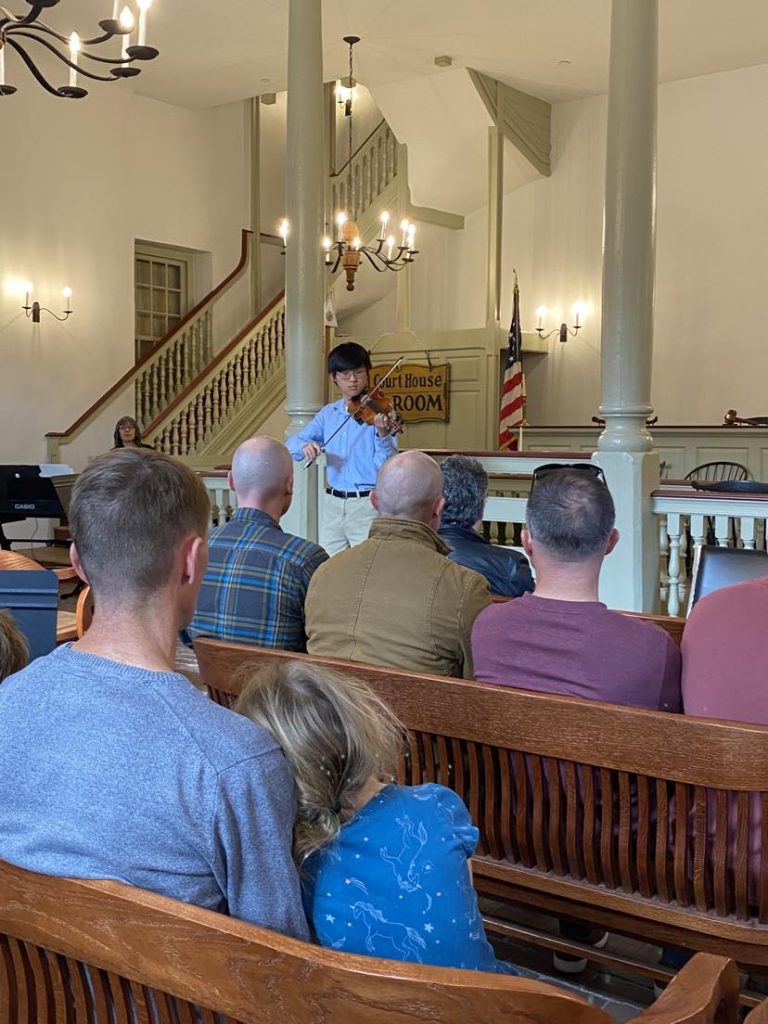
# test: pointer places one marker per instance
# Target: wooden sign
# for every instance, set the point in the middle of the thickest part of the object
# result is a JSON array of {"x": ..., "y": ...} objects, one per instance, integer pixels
[{"x": 419, "y": 393}]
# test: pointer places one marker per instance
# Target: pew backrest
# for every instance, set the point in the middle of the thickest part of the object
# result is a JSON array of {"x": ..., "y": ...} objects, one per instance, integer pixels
[
  {"x": 97, "y": 952},
  {"x": 630, "y": 809}
]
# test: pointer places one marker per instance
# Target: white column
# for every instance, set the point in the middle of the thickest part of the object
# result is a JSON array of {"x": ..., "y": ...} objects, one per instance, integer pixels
[
  {"x": 495, "y": 222},
  {"x": 630, "y": 227},
  {"x": 304, "y": 209},
  {"x": 630, "y": 580},
  {"x": 253, "y": 112}
]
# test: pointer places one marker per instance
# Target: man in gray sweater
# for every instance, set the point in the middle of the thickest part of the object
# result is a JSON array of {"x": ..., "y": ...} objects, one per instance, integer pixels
[{"x": 112, "y": 765}]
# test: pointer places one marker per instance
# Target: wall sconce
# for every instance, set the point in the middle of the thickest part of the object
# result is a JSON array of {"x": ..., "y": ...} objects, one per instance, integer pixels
[
  {"x": 283, "y": 231},
  {"x": 34, "y": 309},
  {"x": 563, "y": 330}
]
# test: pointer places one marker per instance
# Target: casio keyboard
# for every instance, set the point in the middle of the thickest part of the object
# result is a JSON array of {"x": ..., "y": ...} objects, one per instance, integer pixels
[{"x": 25, "y": 493}]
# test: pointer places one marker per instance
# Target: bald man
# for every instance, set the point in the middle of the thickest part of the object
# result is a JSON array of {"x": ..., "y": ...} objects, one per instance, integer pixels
[
  {"x": 396, "y": 599},
  {"x": 257, "y": 578}
]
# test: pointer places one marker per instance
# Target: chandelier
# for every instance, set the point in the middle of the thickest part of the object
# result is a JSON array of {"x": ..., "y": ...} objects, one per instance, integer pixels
[
  {"x": 347, "y": 250},
  {"x": 18, "y": 31}
]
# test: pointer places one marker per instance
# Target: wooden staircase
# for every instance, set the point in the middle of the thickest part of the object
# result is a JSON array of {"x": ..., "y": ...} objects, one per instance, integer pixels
[{"x": 198, "y": 405}]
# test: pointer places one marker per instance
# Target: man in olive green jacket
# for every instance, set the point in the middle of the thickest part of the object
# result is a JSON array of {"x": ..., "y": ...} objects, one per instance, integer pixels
[{"x": 396, "y": 599}]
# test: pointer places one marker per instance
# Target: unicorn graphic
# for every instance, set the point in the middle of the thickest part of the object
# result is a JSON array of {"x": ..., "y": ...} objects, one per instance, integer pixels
[
  {"x": 404, "y": 863},
  {"x": 405, "y": 940}
]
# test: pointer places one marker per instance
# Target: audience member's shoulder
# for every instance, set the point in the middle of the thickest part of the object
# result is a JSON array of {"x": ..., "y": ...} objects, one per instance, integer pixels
[
  {"x": 223, "y": 737},
  {"x": 750, "y": 593},
  {"x": 641, "y": 629}
]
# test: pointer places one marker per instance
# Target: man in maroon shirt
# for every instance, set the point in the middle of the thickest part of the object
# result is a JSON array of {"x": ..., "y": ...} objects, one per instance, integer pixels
[{"x": 561, "y": 639}]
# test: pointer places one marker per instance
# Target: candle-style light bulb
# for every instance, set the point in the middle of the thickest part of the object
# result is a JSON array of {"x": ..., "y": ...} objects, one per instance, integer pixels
[
  {"x": 341, "y": 220},
  {"x": 390, "y": 246},
  {"x": 578, "y": 310},
  {"x": 411, "y": 236},
  {"x": 143, "y": 6},
  {"x": 384, "y": 222},
  {"x": 327, "y": 243},
  {"x": 126, "y": 24},
  {"x": 283, "y": 230},
  {"x": 540, "y": 317},
  {"x": 74, "y": 49},
  {"x": 404, "y": 225},
  {"x": 356, "y": 243},
  {"x": 67, "y": 293}
]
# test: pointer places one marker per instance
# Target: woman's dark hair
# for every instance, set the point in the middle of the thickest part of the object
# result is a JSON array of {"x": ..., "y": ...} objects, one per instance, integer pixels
[
  {"x": 347, "y": 357},
  {"x": 126, "y": 421}
]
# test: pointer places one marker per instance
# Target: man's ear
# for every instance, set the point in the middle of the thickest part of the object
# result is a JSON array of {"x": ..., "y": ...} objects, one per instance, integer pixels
[
  {"x": 193, "y": 557},
  {"x": 77, "y": 565},
  {"x": 437, "y": 508},
  {"x": 230, "y": 481},
  {"x": 289, "y": 483},
  {"x": 525, "y": 540},
  {"x": 375, "y": 500},
  {"x": 613, "y": 540}
]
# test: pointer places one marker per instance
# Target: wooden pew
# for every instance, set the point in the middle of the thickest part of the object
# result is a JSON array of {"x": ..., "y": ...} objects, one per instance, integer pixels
[
  {"x": 582, "y": 806},
  {"x": 98, "y": 952}
]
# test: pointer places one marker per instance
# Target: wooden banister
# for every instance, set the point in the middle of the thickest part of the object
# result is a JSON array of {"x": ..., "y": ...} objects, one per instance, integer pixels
[
  {"x": 218, "y": 361},
  {"x": 136, "y": 369}
]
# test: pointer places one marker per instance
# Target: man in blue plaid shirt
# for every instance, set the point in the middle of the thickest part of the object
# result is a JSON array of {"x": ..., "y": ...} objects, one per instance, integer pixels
[{"x": 257, "y": 577}]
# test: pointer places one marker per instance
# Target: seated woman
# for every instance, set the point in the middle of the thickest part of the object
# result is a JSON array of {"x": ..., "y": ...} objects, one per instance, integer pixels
[
  {"x": 14, "y": 650},
  {"x": 384, "y": 867},
  {"x": 127, "y": 434}
]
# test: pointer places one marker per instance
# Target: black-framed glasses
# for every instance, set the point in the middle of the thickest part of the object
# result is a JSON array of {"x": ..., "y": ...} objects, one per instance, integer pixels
[{"x": 590, "y": 468}]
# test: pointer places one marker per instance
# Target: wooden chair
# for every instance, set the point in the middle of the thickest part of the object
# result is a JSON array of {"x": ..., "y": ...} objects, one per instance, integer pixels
[
  {"x": 635, "y": 821},
  {"x": 716, "y": 471},
  {"x": 98, "y": 952}
]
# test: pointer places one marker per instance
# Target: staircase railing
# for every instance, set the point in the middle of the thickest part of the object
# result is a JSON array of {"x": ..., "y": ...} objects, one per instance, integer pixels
[
  {"x": 371, "y": 171},
  {"x": 244, "y": 369},
  {"x": 168, "y": 369}
]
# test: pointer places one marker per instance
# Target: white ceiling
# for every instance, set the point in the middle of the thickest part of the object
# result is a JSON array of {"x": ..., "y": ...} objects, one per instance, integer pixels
[{"x": 217, "y": 53}]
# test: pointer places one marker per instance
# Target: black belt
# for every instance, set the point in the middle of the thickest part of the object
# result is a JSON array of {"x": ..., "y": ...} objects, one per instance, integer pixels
[{"x": 346, "y": 494}]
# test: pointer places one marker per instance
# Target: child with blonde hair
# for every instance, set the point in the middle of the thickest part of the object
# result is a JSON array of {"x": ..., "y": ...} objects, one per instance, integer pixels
[{"x": 384, "y": 867}]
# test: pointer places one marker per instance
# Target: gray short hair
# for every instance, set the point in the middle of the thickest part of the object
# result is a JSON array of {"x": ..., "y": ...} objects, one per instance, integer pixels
[
  {"x": 465, "y": 486},
  {"x": 130, "y": 510},
  {"x": 571, "y": 513}
]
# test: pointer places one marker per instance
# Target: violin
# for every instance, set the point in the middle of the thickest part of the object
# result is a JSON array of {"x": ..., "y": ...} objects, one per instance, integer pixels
[{"x": 372, "y": 402}]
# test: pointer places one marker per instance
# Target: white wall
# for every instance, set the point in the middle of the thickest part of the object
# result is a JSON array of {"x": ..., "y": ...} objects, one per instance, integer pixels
[
  {"x": 87, "y": 178},
  {"x": 712, "y": 219}
]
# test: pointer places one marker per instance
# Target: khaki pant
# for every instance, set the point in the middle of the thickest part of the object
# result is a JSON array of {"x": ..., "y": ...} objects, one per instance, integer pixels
[{"x": 345, "y": 522}]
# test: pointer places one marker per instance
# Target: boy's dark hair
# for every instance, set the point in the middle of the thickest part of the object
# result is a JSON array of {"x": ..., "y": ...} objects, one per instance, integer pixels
[
  {"x": 347, "y": 357},
  {"x": 130, "y": 510}
]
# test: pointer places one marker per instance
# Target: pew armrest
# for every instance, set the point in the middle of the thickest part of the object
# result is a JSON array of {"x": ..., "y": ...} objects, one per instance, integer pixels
[{"x": 705, "y": 990}]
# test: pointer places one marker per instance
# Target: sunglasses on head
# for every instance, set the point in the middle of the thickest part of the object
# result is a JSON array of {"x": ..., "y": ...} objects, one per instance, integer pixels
[{"x": 589, "y": 468}]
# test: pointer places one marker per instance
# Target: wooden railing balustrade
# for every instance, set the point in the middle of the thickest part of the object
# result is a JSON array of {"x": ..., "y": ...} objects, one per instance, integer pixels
[
  {"x": 372, "y": 169},
  {"x": 247, "y": 365},
  {"x": 169, "y": 368}
]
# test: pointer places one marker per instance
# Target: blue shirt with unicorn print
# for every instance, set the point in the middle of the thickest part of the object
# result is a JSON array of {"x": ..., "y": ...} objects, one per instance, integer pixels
[{"x": 395, "y": 883}]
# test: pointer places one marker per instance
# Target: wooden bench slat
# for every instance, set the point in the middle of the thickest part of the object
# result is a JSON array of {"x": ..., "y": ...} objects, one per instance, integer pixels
[{"x": 630, "y": 818}]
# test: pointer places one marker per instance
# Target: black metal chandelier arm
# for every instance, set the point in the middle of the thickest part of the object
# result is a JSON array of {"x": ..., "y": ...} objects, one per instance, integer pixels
[
  {"x": 42, "y": 27},
  {"x": 32, "y": 67},
  {"x": 65, "y": 60},
  {"x": 387, "y": 264}
]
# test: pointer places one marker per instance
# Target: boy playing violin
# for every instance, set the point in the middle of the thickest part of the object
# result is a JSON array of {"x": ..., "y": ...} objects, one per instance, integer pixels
[{"x": 354, "y": 451}]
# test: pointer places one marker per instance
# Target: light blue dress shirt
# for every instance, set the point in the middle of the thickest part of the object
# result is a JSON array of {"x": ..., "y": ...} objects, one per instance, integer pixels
[{"x": 355, "y": 454}]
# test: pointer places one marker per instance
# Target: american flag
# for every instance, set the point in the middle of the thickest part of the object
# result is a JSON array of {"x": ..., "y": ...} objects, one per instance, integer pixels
[{"x": 512, "y": 411}]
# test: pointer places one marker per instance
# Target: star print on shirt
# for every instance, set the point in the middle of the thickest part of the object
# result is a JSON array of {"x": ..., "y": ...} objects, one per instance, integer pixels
[
  {"x": 330, "y": 918},
  {"x": 429, "y": 928}
]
